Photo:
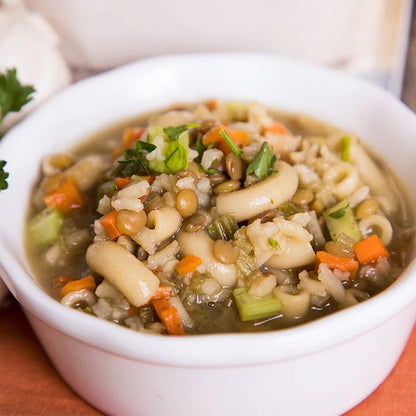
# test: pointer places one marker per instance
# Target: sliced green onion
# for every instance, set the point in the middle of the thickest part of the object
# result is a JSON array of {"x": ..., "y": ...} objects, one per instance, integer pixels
[
  {"x": 274, "y": 243},
  {"x": 340, "y": 219},
  {"x": 345, "y": 149},
  {"x": 234, "y": 148},
  {"x": 46, "y": 226},
  {"x": 250, "y": 307}
]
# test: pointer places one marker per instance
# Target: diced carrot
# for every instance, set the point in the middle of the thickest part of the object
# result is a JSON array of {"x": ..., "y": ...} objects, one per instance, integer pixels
[
  {"x": 122, "y": 182},
  {"x": 133, "y": 310},
  {"x": 130, "y": 136},
  {"x": 61, "y": 280},
  {"x": 86, "y": 282},
  {"x": 160, "y": 305},
  {"x": 337, "y": 262},
  {"x": 67, "y": 197},
  {"x": 213, "y": 136},
  {"x": 109, "y": 222},
  {"x": 211, "y": 104},
  {"x": 169, "y": 316},
  {"x": 164, "y": 292},
  {"x": 370, "y": 249},
  {"x": 188, "y": 264},
  {"x": 276, "y": 128},
  {"x": 149, "y": 179}
]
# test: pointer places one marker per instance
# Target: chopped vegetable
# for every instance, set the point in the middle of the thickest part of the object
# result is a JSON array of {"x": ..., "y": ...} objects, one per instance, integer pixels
[
  {"x": 46, "y": 226},
  {"x": 13, "y": 95},
  {"x": 340, "y": 219},
  {"x": 251, "y": 307},
  {"x": 276, "y": 128},
  {"x": 109, "y": 222},
  {"x": 3, "y": 176},
  {"x": 274, "y": 243},
  {"x": 214, "y": 137},
  {"x": 66, "y": 198},
  {"x": 188, "y": 264},
  {"x": 122, "y": 182},
  {"x": 370, "y": 249},
  {"x": 135, "y": 159},
  {"x": 222, "y": 227},
  {"x": 177, "y": 155},
  {"x": 345, "y": 149},
  {"x": 86, "y": 282},
  {"x": 337, "y": 262},
  {"x": 262, "y": 164},
  {"x": 163, "y": 292},
  {"x": 131, "y": 135},
  {"x": 169, "y": 316},
  {"x": 234, "y": 148}
]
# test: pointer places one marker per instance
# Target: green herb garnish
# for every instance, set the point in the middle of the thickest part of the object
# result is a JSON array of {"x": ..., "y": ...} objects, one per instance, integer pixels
[
  {"x": 3, "y": 176},
  {"x": 262, "y": 164},
  {"x": 339, "y": 213},
  {"x": 13, "y": 96},
  {"x": 234, "y": 148},
  {"x": 274, "y": 243},
  {"x": 345, "y": 149},
  {"x": 135, "y": 159},
  {"x": 174, "y": 132}
]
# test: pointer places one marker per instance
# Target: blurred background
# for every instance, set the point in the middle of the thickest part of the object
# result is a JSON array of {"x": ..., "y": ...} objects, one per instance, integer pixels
[{"x": 53, "y": 43}]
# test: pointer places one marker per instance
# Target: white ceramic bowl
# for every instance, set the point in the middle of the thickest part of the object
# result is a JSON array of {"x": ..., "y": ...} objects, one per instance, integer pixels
[{"x": 321, "y": 368}]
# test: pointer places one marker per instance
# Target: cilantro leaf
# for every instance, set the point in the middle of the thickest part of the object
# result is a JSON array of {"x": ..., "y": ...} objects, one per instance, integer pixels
[
  {"x": 174, "y": 132},
  {"x": 3, "y": 176},
  {"x": 200, "y": 148},
  {"x": 339, "y": 213},
  {"x": 13, "y": 95},
  {"x": 262, "y": 164},
  {"x": 135, "y": 159},
  {"x": 273, "y": 243},
  {"x": 234, "y": 148}
]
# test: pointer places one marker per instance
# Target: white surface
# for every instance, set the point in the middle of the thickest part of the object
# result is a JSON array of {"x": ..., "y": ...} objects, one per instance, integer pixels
[
  {"x": 29, "y": 44},
  {"x": 128, "y": 373},
  {"x": 363, "y": 37}
]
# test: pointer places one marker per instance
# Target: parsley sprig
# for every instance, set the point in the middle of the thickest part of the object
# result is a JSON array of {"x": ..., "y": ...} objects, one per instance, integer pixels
[
  {"x": 135, "y": 159},
  {"x": 13, "y": 96},
  {"x": 262, "y": 164}
]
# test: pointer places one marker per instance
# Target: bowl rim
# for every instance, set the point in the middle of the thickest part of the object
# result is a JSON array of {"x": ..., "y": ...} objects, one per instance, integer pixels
[{"x": 213, "y": 349}]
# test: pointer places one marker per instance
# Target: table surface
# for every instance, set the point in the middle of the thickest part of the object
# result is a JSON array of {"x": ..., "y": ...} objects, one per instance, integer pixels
[{"x": 29, "y": 385}]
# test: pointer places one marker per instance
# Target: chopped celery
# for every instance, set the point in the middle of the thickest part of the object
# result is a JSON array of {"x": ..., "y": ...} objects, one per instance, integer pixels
[
  {"x": 46, "y": 226},
  {"x": 250, "y": 307},
  {"x": 171, "y": 154},
  {"x": 340, "y": 219},
  {"x": 237, "y": 110}
]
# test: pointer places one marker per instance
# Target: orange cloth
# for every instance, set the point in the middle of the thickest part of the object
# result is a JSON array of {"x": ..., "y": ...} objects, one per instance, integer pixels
[{"x": 29, "y": 385}]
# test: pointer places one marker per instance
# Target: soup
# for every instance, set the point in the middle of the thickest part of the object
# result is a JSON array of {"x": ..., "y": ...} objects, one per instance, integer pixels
[{"x": 216, "y": 217}]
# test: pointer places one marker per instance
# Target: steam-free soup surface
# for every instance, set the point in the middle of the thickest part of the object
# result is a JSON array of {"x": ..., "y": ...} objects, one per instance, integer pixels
[{"x": 216, "y": 217}]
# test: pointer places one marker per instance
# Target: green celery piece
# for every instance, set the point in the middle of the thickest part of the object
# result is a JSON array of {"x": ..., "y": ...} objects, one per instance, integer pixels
[
  {"x": 46, "y": 226},
  {"x": 340, "y": 219},
  {"x": 177, "y": 153},
  {"x": 250, "y": 307},
  {"x": 237, "y": 110}
]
